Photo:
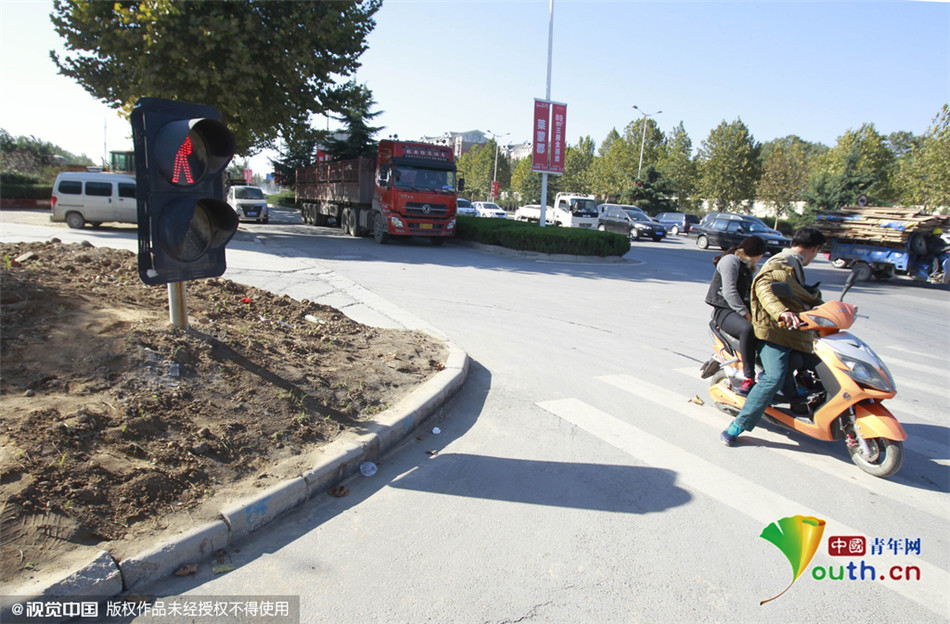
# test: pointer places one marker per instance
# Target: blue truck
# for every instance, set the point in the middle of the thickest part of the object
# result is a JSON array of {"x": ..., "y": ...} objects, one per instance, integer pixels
[{"x": 884, "y": 242}]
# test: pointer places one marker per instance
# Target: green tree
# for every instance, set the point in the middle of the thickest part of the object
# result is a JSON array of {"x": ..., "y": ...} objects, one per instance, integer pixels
[
  {"x": 862, "y": 153},
  {"x": 784, "y": 177},
  {"x": 924, "y": 173},
  {"x": 526, "y": 182},
  {"x": 729, "y": 166},
  {"x": 265, "y": 66},
  {"x": 675, "y": 163},
  {"x": 35, "y": 157},
  {"x": 651, "y": 192},
  {"x": 578, "y": 164},
  {"x": 830, "y": 190},
  {"x": 477, "y": 167},
  {"x": 358, "y": 141},
  {"x": 612, "y": 168},
  {"x": 299, "y": 150}
]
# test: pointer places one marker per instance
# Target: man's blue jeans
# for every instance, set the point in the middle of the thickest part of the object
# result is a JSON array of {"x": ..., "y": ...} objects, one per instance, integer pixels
[{"x": 775, "y": 362}]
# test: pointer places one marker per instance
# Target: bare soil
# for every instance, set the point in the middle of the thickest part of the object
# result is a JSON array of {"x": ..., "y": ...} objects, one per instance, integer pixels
[{"x": 117, "y": 428}]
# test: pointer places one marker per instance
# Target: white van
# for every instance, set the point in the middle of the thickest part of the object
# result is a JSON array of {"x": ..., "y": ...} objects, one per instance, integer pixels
[{"x": 83, "y": 197}]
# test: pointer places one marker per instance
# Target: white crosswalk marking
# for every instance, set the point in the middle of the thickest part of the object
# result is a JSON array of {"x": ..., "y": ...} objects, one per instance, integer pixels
[
  {"x": 934, "y": 503},
  {"x": 758, "y": 503}
]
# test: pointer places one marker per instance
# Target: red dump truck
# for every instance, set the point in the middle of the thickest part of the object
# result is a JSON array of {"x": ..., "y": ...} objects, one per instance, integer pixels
[{"x": 409, "y": 189}]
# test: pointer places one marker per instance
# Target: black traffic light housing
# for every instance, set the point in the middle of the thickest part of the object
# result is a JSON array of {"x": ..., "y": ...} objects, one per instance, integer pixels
[{"x": 181, "y": 152}]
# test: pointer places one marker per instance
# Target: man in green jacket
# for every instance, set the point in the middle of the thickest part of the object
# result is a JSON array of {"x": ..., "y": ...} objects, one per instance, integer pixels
[{"x": 776, "y": 323}]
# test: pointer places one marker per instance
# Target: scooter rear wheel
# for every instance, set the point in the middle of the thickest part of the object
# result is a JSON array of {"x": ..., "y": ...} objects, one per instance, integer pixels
[{"x": 885, "y": 459}]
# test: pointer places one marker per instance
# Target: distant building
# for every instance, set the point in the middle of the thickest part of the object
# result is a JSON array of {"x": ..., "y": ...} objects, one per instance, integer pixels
[{"x": 463, "y": 142}]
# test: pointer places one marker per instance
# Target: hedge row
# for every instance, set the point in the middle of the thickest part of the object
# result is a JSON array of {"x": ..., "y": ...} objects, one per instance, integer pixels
[
  {"x": 26, "y": 191},
  {"x": 531, "y": 237}
]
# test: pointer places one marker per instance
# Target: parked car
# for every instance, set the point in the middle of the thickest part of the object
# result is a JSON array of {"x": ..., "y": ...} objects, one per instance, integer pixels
[
  {"x": 490, "y": 209},
  {"x": 83, "y": 197},
  {"x": 464, "y": 207},
  {"x": 630, "y": 221},
  {"x": 248, "y": 203},
  {"x": 604, "y": 207},
  {"x": 677, "y": 222},
  {"x": 710, "y": 217},
  {"x": 726, "y": 233}
]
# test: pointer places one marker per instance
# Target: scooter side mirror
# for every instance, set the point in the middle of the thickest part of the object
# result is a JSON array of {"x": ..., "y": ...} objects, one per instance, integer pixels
[{"x": 848, "y": 283}]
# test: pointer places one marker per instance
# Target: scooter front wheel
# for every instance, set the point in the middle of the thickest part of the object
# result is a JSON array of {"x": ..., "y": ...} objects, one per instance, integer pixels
[{"x": 884, "y": 458}]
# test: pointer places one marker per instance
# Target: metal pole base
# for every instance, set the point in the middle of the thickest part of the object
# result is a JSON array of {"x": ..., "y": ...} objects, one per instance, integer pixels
[{"x": 177, "y": 305}]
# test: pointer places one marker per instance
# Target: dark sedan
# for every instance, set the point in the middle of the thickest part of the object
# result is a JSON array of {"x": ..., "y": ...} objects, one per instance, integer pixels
[
  {"x": 726, "y": 233},
  {"x": 630, "y": 221}
]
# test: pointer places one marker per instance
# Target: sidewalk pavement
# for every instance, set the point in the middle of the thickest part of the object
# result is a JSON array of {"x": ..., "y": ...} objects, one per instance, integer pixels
[{"x": 101, "y": 576}]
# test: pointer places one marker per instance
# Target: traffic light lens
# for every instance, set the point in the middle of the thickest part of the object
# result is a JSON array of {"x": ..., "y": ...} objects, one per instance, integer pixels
[
  {"x": 189, "y": 228},
  {"x": 190, "y": 149}
]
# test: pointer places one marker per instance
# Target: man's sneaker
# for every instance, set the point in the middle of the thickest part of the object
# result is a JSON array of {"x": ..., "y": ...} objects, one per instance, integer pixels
[
  {"x": 727, "y": 438},
  {"x": 745, "y": 386}
]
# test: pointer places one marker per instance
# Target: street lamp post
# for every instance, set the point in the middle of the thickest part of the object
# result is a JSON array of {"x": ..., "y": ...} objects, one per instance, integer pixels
[
  {"x": 494, "y": 136},
  {"x": 644, "y": 137}
]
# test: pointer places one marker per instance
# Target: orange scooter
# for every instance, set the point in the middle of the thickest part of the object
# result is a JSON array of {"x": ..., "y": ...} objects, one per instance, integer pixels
[{"x": 840, "y": 397}]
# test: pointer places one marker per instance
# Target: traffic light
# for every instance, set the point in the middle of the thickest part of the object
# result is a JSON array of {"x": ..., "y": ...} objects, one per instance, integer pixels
[{"x": 181, "y": 152}]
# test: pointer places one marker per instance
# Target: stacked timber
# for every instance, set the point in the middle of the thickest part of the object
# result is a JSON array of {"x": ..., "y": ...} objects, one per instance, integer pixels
[{"x": 887, "y": 227}]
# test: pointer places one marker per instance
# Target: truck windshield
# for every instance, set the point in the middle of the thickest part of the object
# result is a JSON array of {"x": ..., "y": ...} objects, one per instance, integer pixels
[
  {"x": 418, "y": 179},
  {"x": 584, "y": 207}
]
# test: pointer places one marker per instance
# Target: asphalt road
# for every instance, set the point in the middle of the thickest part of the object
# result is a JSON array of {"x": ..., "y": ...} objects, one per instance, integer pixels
[{"x": 574, "y": 481}]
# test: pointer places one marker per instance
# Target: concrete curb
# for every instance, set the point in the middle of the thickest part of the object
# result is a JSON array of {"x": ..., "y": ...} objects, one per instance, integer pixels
[{"x": 104, "y": 577}]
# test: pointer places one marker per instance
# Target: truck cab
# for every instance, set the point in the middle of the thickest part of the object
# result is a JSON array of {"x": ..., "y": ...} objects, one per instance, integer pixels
[
  {"x": 572, "y": 210},
  {"x": 415, "y": 191}
]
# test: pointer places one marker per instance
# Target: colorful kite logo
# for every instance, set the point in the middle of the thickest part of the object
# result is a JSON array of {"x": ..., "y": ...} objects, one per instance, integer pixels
[{"x": 798, "y": 537}]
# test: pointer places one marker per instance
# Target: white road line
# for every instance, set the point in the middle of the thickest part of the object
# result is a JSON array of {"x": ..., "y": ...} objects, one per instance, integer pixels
[
  {"x": 935, "y": 356},
  {"x": 940, "y": 373},
  {"x": 898, "y": 405},
  {"x": 758, "y": 503},
  {"x": 934, "y": 503}
]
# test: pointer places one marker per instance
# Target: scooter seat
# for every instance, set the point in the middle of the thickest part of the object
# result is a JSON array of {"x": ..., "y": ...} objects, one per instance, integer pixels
[{"x": 731, "y": 343}]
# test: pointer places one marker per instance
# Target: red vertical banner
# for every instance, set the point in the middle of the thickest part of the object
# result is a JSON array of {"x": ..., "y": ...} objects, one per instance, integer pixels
[
  {"x": 540, "y": 135},
  {"x": 558, "y": 132},
  {"x": 248, "y": 176}
]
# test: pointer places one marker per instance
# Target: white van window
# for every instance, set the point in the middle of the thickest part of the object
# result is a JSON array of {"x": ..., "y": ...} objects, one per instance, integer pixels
[
  {"x": 126, "y": 190},
  {"x": 99, "y": 189},
  {"x": 70, "y": 187}
]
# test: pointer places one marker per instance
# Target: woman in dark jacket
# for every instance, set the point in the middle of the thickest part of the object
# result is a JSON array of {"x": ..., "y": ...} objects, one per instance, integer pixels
[{"x": 729, "y": 293}]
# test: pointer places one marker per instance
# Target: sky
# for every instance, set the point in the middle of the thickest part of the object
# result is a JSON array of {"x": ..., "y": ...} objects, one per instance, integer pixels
[{"x": 812, "y": 69}]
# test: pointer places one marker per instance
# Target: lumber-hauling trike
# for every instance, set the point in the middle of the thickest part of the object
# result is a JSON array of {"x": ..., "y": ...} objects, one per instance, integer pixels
[
  {"x": 409, "y": 189},
  {"x": 882, "y": 242}
]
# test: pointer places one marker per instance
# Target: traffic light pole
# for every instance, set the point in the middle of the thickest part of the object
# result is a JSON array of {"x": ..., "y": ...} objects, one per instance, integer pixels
[{"x": 177, "y": 305}]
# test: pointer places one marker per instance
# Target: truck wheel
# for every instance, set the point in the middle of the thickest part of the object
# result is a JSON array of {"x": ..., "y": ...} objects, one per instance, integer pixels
[
  {"x": 380, "y": 235},
  {"x": 75, "y": 220},
  {"x": 862, "y": 271},
  {"x": 602, "y": 228},
  {"x": 884, "y": 272},
  {"x": 918, "y": 244},
  {"x": 702, "y": 242},
  {"x": 675, "y": 230}
]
